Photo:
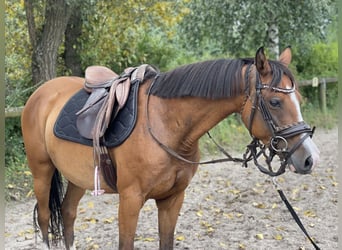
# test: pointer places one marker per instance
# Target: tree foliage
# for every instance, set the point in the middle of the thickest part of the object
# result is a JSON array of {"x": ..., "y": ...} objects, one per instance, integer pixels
[
  {"x": 124, "y": 33},
  {"x": 237, "y": 26},
  {"x": 17, "y": 46}
]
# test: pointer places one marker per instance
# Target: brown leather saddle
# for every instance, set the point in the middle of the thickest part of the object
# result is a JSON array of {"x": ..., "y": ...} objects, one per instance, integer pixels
[{"x": 108, "y": 95}]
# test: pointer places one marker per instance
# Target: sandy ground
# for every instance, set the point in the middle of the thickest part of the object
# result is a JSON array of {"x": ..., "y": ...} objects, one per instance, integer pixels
[{"x": 226, "y": 207}]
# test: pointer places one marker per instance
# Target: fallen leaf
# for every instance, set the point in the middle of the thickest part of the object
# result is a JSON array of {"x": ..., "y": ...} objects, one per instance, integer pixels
[
  {"x": 30, "y": 193},
  {"x": 234, "y": 191},
  {"x": 309, "y": 213},
  {"x": 209, "y": 197},
  {"x": 91, "y": 220},
  {"x": 81, "y": 210},
  {"x": 149, "y": 239},
  {"x": 95, "y": 246},
  {"x": 259, "y": 236},
  {"x": 259, "y": 205},
  {"x": 238, "y": 215},
  {"x": 199, "y": 213},
  {"x": 228, "y": 215},
  {"x": 90, "y": 204},
  {"x": 109, "y": 220},
  {"x": 334, "y": 183},
  {"x": 180, "y": 238},
  {"x": 223, "y": 244},
  {"x": 280, "y": 228},
  {"x": 258, "y": 190},
  {"x": 147, "y": 208},
  {"x": 242, "y": 246},
  {"x": 278, "y": 237}
]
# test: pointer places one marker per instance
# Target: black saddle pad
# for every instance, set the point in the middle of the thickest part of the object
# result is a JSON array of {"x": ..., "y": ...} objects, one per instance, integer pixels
[{"x": 119, "y": 128}]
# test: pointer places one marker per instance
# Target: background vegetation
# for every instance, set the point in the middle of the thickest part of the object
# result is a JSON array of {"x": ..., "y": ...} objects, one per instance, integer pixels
[{"x": 166, "y": 34}]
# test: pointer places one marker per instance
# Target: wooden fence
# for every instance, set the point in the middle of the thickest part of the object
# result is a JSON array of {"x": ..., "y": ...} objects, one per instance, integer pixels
[{"x": 320, "y": 83}]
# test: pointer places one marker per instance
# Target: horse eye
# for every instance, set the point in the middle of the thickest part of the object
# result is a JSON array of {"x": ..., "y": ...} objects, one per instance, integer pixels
[{"x": 275, "y": 103}]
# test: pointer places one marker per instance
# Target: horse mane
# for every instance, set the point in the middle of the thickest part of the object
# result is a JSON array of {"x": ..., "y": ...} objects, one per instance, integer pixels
[{"x": 211, "y": 79}]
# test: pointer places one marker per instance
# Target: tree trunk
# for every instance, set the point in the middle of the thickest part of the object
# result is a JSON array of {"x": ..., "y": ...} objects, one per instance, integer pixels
[
  {"x": 46, "y": 40},
  {"x": 73, "y": 31},
  {"x": 273, "y": 39}
]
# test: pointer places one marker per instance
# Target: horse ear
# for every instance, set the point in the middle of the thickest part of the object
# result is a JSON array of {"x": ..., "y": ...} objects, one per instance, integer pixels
[
  {"x": 261, "y": 62},
  {"x": 286, "y": 56}
]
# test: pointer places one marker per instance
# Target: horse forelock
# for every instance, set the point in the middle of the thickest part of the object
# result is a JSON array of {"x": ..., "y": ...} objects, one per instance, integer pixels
[{"x": 278, "y": 71}]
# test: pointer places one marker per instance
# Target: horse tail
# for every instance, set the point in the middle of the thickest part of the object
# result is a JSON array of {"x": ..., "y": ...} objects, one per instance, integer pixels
[{"x": 56, "y": 227}]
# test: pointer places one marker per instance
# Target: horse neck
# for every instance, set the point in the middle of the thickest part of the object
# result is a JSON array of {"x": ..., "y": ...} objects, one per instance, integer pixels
[
  {"x": 208, "y": 113},
  {"x": 189, "y": 118}
]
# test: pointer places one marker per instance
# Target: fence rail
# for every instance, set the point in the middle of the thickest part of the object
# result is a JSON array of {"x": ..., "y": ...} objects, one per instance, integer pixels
[{"x": 315, "y": 82}]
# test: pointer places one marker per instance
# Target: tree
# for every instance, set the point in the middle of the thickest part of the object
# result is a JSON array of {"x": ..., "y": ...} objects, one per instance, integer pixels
[
  {"x": 119, "y": 33},
  {"x": 73, "y": 32},
  {"x": 47, "y": 35},
  {"x": 239, "y": 25}
]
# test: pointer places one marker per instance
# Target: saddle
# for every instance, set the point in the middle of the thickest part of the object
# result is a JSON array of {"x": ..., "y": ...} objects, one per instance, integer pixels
[{"x": 108, "y": 95}]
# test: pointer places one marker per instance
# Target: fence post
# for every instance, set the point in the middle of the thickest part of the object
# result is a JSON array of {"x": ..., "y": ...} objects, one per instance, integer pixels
[{"x": 323, "y": 95}]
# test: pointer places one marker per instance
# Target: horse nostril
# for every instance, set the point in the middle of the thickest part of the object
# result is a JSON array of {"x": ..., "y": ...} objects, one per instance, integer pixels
[{"x": 308, "y": 163}]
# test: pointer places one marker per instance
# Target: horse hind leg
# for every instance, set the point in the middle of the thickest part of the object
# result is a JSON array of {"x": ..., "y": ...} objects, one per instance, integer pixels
[
  {"x": 48, "y": 203},
  {"x": 69, "y": 212}
]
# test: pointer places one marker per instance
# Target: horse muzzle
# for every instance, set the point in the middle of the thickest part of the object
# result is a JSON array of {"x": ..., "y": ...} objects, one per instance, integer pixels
[{"x": 305, "y": 158}]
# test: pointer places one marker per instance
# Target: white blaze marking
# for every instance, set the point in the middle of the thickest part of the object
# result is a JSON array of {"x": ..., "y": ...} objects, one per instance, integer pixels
[{"x": 294, "y": 99}]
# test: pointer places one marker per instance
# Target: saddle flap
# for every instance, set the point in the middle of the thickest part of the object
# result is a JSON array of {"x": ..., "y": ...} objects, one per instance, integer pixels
[
  {"x": 93, "y": 99},
  {"x": 86, "y": 117}
]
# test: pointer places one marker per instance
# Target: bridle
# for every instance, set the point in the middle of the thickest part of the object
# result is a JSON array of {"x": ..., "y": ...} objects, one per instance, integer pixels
[
  {"x": 256, "y": 148},
  {"x": 278, "y": 134}
]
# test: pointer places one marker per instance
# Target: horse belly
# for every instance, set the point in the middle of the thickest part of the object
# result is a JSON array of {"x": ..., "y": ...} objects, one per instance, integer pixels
[{"x": 75, "y": 162}]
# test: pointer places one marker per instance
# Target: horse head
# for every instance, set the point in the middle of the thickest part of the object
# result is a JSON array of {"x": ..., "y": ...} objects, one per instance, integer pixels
[{"x": 272, "y": 114}]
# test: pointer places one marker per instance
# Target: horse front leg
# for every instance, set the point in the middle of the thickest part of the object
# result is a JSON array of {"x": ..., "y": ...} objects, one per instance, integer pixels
[
  {"x": 168, "y": 211},
  {"x": 129, "y": 208}
]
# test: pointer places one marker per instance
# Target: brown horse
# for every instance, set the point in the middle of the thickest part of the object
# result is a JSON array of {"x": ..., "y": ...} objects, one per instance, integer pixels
[{"x": 160, "y": 157}]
